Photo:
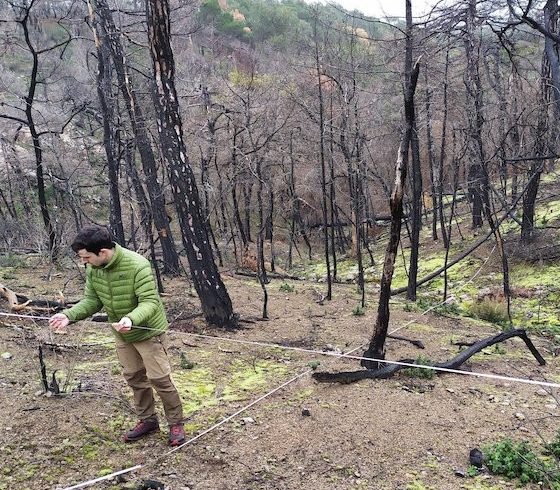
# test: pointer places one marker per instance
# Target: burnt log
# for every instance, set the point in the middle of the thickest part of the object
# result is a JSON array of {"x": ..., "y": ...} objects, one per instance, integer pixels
[
  {"x": 19, "y": 302},
  {"x": 386, "y": 371}
]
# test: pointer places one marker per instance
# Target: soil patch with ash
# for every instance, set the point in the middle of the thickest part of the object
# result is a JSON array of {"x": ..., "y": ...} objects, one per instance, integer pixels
[{"x": 401, "y": 433}]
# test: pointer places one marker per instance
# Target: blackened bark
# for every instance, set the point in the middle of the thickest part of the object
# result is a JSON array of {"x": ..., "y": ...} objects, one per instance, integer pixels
[
  {"x": 215, "y": 300},
  {"x": 388, "y": 370},
  {"x": 105, "y": 95},
  {"x": 35, "y": 138},
  {"x": 376, "y": 347},
  {"x": 143, "y": 143},
  {"x": 431, "y": 159},
  {"x": 415, "y": 167},
  {"x": 529, "y": 199},
  {"x": 234, "y": 198},
  {"x": 478, "y": 176},
  {"x": 145, "y": 214},
  {"x": 322, "y": 162},
  {"x": 442, "y": 155}
]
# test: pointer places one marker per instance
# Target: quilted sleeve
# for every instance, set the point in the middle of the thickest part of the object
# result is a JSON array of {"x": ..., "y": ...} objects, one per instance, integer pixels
[
  {"x": 86, "y": 307},
  {"x": 148, "y": 298}
]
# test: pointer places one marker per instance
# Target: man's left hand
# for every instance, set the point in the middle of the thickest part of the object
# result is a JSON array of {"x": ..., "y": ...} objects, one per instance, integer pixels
[{"x": 124, "y": 325}]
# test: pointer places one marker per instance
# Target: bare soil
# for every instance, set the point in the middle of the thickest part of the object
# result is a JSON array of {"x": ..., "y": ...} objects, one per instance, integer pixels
[{"x": 401, "y": 433}]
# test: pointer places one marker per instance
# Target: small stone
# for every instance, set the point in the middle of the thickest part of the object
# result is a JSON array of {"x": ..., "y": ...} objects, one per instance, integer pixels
[
  {"x": 519, "y": 416},
  {"x": 542, "y": 392},
  {"x": 248, "y": 420},
  {"x": 7, "y": 355},
  {"x": 450, "y": 390},
  {"x": 460, "y": 473},
  {"x": 306, "y": 412}
]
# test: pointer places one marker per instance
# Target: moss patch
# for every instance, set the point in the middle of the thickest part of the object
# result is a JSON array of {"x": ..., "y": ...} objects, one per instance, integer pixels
[
  {"x": 248, "y": 377},
  {"x": 196, "y": 387}
]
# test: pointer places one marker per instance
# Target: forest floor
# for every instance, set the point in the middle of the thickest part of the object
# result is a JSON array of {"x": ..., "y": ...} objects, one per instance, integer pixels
[
  {"x": 406, "y": 432},
  {"x": 409, "y": 432}
]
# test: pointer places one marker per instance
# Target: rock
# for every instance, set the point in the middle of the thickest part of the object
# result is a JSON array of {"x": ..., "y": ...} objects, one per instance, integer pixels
[
  {"x": 450, "y": 390},
  {"x": 519, "y": 416},
  {"x": 476, "y": 458},
  {"x": 460, "y": 473},
  {"x": 247, "y": 420},
  {"x": 305, "y": 412},
  {"x": 542, "y": 392},
  {"x": 6, "y": 355}
]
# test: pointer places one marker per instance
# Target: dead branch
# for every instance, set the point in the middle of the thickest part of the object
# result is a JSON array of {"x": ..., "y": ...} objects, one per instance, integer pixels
[
  {"x": 18, "y": 302},
  {"x": 416, "y": 343},
  {"x": 388, "y": 370},
  {"x": 271, "y": 275}
]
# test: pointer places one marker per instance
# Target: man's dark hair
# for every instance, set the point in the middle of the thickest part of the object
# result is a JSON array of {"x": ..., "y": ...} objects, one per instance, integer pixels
[{"x": 93, "y": 238}]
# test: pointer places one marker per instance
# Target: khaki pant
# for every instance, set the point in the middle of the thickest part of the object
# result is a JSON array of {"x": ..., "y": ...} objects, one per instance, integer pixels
[{"x": 145, "y": 364}]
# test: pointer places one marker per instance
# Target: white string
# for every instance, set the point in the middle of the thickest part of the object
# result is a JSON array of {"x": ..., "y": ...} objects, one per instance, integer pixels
[
  {"x": 359, "y": 358},
  {"x": 283, "y": 385},
  {"x": 198, "y": 436}
]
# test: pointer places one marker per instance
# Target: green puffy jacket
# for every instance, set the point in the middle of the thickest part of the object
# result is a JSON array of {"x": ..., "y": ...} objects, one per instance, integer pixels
[{"x": 123, "y": 287}]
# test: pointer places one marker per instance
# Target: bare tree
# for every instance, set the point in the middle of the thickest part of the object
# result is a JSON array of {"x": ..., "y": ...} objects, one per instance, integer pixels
[{"x": 215, "y": 300}]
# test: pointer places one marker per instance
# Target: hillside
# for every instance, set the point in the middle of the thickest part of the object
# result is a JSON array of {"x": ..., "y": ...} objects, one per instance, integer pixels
[{"x": 412, "y": 431}]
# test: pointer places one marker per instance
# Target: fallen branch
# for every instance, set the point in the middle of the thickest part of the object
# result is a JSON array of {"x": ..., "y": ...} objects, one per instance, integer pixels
[
  {"x": 388, "y": 370},
  {"x": 18, "y": 302},
  {"x": 271, "y": 275},
  {"x": 416, "y": 343}
]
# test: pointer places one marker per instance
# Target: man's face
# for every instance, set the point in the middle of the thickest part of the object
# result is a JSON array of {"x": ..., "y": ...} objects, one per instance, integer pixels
[{"x": 97, "y": 260}]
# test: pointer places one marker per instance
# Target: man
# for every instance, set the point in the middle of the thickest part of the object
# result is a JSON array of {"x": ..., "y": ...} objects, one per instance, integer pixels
[{"x": 121, "y": 282}]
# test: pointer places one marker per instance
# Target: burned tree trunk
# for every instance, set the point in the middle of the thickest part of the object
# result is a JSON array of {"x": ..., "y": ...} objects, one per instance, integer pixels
[
  {"x": 322, "y": 162},
  {"x": 155, "y": 192},
  {"x": 416, "y": 171},
  {"x": 104, "y": 94},
  {"x": 215, "y": 300},
  {"x": 376, "y": 347},
  {"x": 478, "y": 174}
]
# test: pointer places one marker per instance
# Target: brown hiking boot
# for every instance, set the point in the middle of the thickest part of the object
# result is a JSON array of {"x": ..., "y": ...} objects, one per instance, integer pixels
[
  {"x": 141, "y": 429},
  {"x": 176, "y": 435}
]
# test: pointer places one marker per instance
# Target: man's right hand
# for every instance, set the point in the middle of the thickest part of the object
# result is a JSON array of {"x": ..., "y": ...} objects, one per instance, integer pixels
[{"x": 58, "y": 322}]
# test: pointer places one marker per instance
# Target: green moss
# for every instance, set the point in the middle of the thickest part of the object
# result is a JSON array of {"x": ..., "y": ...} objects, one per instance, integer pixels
[
  {"x": 420, "y": 327},
  {"x": 534, "y": 275},
  {"x": 248, "y": 377},
  {"x": 480, "y": 484},
  {"x": 196, "y": 387},
  {"x": 547, "y": 213}
]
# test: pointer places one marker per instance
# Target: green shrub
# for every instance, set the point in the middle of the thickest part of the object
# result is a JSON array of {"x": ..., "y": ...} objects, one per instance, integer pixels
[
  {"x": 490, "y": 311},
  {"x": 358, "y": 311},
  {"x": 11, "y": 260},
  {"x": 518, "y": 460},
  {"x": 421, "y": 372},
  {"x": 184, "y": 363},
  {"x": 553, "y": 447},
  {"x": 287, "y": 288}
]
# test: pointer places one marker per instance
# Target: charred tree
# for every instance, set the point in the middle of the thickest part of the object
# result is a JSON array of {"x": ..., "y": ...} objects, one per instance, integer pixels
[
  {"x": 416, "y": 173},
  {"x": 478, "y": 184},
  {"x": 142, "y": 138},
  {"x": 105, "y": 96},
  {"x": 376, "y": 347},
  {"x": 454, "y": 364},
  {"x": 321, "y": 127},
  {"x": 215, "y": 300}
]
